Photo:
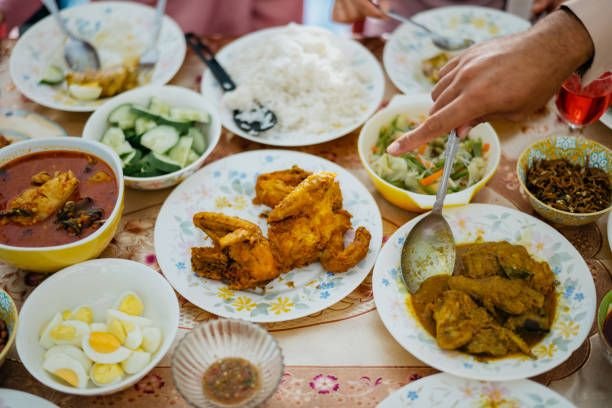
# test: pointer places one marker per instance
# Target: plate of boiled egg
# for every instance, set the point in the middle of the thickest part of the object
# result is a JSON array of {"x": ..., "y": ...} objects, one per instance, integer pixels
[{"x": 97, "y": 327}]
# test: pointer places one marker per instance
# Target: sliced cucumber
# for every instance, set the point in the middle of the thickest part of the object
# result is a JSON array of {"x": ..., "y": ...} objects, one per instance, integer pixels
[
  {"x": 188, "y": 115},
  {"x": 87, "y": 92},
  {"x": 115, "y": 139},
  {"x": 123, "y": 116},
  {"x": 199, "y": 140},
  {"x": 53, "y": 75},
  {"x": 142, "y": 125},
  {"x": 193, "y": 156},
  {"x": 164, "y": 163},
  {"x": 182, "y": 127},
  {"x": 160, "y": 139},
  {"x": 158, "y": 107},
  {"x": 180, "y": 152},
  {"x": 131, "y": 157}
]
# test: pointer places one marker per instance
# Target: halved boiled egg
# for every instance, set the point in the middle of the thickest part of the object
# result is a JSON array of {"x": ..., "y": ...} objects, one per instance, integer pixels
[
  {"x": 136, "y": 362},
  {"x": 106, "y": 374},
  {"x": 82, "y": 313},
  {"x": 66, "y": 368},
  {"x": 60, "y": 331},
  {"x": 130, "y": 303},
  {"x": 124, "y": 317},
  {"x": 151, "y": 339},
  {"x": 103, "y": 347},
  {"x": 98, "y": 327},
  {"x": 129, "y": 334},
  {"x": 71, "y": 351}
]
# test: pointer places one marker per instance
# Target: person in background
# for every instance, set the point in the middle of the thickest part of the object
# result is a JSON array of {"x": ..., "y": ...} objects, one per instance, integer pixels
[
  {"x": 203, "y": 17},
  {"x": 510, "y": 77},
  {"x": 354, "y": 11}
]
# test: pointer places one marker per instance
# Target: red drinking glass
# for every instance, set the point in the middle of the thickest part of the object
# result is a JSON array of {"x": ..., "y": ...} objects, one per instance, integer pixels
[{"x": 579, "y": 106}]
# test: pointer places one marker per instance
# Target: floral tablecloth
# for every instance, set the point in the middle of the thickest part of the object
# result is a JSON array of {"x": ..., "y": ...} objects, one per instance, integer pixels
[{"x": 327, "y": 364}]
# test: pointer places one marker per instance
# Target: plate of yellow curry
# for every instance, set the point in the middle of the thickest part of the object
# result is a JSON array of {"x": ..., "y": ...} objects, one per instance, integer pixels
[{"x": 520, "y": 300}]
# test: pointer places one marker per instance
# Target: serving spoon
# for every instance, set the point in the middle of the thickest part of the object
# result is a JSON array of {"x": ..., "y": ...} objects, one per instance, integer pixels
[
  {"x": 429, "y": 248},
  {"x": 254, "y": 121},
  {"x": 79, "y": 54},
  {"x": 441, "y": 41}
]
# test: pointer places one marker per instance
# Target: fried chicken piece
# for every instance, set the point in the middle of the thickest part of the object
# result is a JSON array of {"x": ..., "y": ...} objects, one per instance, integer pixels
[
  {"x": 513, "y": 296},
  {"x": 36, "y": 204},
  {"x": 241, "y": 255},
  {"x": 112, "y": 80},
  {"x": 309, "y": 224},
  {"x": 272, "y": 188}
]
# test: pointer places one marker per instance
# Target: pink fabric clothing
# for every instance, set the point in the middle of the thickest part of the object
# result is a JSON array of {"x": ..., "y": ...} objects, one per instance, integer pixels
[{"x": 204, "y": 17}]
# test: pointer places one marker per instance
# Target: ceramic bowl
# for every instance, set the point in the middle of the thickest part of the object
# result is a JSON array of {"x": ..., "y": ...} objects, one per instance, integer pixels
[
  {"x": 8, "y": 313},
  {"x": 578, "y": 151},
  {"x": 416, "y": 108},
  {"x": 602, "y": 313},
  {"x": 97, "y": 283},
  {"x": 222, "y": 338},
  {"x": 97, "y": 124},
  {"x": 53, "y": 258}
]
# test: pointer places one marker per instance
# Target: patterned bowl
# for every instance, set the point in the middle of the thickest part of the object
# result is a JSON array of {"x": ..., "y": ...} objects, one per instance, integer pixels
[
  {"x": 416, "y": 107},
  {"x": 576, "y": 150},
  {"x": 8, "y": 313},
  {"x": 222, "y": 338}
]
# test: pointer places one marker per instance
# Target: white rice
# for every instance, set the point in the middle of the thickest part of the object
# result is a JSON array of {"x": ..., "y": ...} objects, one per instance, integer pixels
[{"x": 302, "y": 76}]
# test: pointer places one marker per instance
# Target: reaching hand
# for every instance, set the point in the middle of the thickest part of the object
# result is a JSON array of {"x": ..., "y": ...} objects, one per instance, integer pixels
[
  {"x": 507, "y": 77},
  {"x": 350, "y": 11},
  {"x": 539, "y": 6}
]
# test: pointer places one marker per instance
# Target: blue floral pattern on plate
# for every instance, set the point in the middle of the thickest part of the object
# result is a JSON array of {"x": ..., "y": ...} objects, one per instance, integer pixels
[
  {"x": 575, "y": 294},
  {"x": 227, "y": 186},
  {"x": 409, "y": 45}
]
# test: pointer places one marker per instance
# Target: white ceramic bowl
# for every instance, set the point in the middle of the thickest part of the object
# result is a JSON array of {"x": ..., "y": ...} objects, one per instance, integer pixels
[
  {"x": 222, "y": 338},
  {"x": 97, "y": 283},
  {"x": 416, "y": 108},
  {"x": 97, "y": 124}
]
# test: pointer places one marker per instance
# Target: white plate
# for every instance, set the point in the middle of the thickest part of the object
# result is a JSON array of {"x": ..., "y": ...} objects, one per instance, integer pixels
[
  {"x": 19, "y": 399},
  {"x": 445, "y": 390},
  {"x": 227, "y": 186},
  {"x": 20, "y": 124},
  {"x": 360, "y": 58},
  {"x": 116, "y": 29},
  {"x": 97, "y": 283},
  {"x": 606, "y": 118},
  {"x": 409, "y": 45},
  {"x": 575, "y": 293}
]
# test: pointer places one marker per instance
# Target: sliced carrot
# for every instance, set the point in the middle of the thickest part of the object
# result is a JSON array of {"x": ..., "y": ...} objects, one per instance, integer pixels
[
  {"x": 422, "y": 148},
  {"x": 374, "y": 149},
  {"x": 432, "y": 178},
  {"x": 486, "y": 147}
]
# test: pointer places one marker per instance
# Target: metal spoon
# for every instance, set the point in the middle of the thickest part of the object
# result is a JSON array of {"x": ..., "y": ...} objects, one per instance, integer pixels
[
  {"x": 440, "y": 41},
  {"x": 256, "y": 120},
  {"x": 149, "y": 58},
  {"x": 429, "y": 248},
  {"x": 79, "y": 54}
]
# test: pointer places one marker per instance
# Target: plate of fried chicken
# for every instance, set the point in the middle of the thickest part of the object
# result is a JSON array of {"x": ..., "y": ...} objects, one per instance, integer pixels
[{"x": 268, "y": 236}]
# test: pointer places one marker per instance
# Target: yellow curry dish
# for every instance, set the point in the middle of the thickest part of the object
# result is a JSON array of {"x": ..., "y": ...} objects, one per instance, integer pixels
[{"x": 499, "y": 301}]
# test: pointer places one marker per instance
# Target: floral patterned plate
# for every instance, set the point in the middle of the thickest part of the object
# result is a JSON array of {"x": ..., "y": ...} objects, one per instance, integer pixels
[
  {"x": 227, "y": 186},
  {"x": 575, "y": 293},
  {"x": 20, "y": 124},
  {"x": 118, "y": 30},
  {"x": 409, "y": 45},
  {"x": 445, "y": 390},
  {"x": 362, "y": 61}
]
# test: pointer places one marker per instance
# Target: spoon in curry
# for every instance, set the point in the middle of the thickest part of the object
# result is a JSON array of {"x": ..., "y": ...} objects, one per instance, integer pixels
[{"x": 429, "y": 248}]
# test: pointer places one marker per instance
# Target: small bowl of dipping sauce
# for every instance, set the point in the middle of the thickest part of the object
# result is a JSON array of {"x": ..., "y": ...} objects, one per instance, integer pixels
[
  {"x": 604, "y": 324},
  {"x": 227, "y": 363}
]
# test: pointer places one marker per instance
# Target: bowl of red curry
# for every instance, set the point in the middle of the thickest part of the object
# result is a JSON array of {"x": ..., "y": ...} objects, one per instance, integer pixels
[{"x": 60, "y": 202}]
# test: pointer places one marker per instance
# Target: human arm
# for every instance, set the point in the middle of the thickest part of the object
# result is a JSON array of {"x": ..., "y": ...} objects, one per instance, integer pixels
[
  {"x": 507, "y": 77},
  {"x": 350, "y": 11},
  {"x": 16, "y": 12}
]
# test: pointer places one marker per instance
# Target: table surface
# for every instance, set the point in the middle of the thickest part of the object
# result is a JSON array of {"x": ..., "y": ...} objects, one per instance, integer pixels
[{"x": 326, "y": 363}]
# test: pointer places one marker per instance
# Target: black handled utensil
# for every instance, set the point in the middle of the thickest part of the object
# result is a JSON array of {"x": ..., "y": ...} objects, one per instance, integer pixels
[{"x": 256, "y": 120}]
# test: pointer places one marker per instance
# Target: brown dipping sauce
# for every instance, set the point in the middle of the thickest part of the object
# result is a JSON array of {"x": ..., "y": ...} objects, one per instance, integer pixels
[
  {"x": 606, "y": 328},
  {"x": 434, "y": 286},
  {"x": 231, "y": 380},
  {"x": 16, "y": 176}
]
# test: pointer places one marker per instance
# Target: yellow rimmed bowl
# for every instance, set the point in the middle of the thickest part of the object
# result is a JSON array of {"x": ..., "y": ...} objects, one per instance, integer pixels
[
  {"x": 576, "y": 150},
  {"x": 416, "y": 108},
  {"x": 8, "y": 313},
  {"x": 52, "y": 258}
]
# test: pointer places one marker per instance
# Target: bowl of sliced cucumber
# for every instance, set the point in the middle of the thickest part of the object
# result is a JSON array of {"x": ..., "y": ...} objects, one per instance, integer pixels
[{"x": 162, "y": 134}]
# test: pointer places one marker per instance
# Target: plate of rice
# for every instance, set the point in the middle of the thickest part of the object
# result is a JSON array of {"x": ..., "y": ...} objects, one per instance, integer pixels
[{"x": 319, "y": 85}]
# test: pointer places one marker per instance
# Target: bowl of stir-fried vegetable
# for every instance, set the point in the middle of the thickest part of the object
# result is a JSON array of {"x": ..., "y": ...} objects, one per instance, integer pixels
[{"x": 411, "y": 181}]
